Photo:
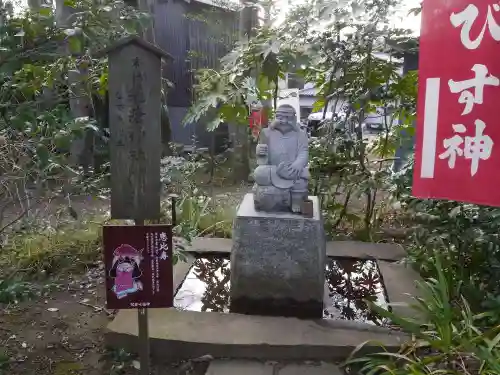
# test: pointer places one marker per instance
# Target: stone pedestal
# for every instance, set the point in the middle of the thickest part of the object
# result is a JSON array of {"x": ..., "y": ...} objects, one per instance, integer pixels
[{"x": 277, "y": 263}]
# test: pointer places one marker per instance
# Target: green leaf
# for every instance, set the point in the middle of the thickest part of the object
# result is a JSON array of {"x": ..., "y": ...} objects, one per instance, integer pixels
[
  {"x": 263, "y": 84},
  {"x": 62, "y": 141},
  {"x": 214, "y": 124},
  {"x": 273, "y": 47},
  {"x": 319, "y": 105},
  {"x": 353, "y": 218},
  {"x": 75, "y": 44},
  {"x": 103, "y": 83},
  {"x": 43, "y": 154},
  {"x": 405, "y": 323},
  {"x": 415, "y": 11},
  {"x": 271, "y": 68},
  {"x": 45, "y": 11},
  {"x": 92, "y": 127},
  {"x": 71, "y": 31}
]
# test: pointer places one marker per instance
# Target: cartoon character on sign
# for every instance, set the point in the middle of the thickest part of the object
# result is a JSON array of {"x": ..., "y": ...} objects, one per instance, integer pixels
[{"x": 126, "y": 270}]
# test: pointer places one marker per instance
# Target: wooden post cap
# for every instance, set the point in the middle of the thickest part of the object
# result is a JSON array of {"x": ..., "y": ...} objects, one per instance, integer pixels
[{"x": 137, "y": 40}]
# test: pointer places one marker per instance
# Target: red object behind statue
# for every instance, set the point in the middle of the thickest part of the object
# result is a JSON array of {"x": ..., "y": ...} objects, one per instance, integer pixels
[{"x": 257, "y": 120}]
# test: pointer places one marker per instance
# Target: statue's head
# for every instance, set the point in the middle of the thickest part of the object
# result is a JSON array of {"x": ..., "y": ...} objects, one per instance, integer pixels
[{"x": 286, "y": 119}]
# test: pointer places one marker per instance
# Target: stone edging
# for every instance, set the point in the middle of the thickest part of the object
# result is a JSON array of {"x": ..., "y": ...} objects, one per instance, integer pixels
[
  {"x": 347, "y": 249},
  {"x": 178, "y": 335}
]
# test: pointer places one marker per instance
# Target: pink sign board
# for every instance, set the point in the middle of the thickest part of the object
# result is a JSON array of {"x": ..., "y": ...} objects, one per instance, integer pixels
[
  {"x": 139, "y": 268},
  {"x": 458, "y": 127}
]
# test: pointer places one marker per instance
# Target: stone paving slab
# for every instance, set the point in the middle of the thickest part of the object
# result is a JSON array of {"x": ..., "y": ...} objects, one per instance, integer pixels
[
  {"x": 400, "y": 284},
  {"x": 347, "y": 249},
  {"x": 365, "y": 250},
  {"x": 248, "y": 367},
  {"x": 211, "y": 245},
  {"x": 179, "y": 335},
  {"x": 181, "y": 269},
  {"x": 310, "y": 369},
  {"x": 241, "y": 367}
]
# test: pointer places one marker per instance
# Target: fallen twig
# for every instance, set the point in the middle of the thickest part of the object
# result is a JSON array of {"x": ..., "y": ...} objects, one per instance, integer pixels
[{"x": 96, "y": 308}]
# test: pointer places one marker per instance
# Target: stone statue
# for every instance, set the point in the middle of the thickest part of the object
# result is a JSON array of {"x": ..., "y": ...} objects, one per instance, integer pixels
[{"x": 282, "y": 175}]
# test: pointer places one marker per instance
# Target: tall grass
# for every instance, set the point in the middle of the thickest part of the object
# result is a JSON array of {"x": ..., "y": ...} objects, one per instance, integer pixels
[
  {"x": 446, "y": 338},
  {"x": 200, "y": 216}
]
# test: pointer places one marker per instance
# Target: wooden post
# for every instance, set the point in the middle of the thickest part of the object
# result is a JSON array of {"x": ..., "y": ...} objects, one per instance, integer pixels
[
  {"x": 134, "y": 84},
  {"x": 173, "y": 198},
  {"x": 143, "y": 333}
]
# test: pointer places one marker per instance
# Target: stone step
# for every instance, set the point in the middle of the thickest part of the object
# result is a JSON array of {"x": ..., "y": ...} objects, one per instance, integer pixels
[
  {"x": 181, "y": 335},
  {"x": 247, "y": 367}
]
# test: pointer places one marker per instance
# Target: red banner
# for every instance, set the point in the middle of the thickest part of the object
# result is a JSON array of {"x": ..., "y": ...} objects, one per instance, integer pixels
[
  {"x": 257, "y": 121},
  {"x": 458, "y": 132},
  {"x": 139, "y": 268}
]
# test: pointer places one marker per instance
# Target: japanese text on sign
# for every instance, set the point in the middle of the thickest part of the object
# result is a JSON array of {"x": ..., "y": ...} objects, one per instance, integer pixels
[
  {"x": 139, "y": 264},
  {"x": 479, "y": 146},
  {"x": 468, "y": 17},
  {"x": 457, "y": 130}
]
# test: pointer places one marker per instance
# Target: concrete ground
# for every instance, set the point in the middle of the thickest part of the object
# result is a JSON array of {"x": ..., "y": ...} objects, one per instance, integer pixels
[{"x": 245, "y": 367}]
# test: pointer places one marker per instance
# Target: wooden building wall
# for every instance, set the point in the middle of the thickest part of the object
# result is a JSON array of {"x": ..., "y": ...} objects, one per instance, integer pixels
[
  {"x": 410, "y": 62},
  {"x": 197, "y": 35}
]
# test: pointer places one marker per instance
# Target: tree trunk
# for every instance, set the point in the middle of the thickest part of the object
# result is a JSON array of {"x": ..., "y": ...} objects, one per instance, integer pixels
[
  {"x": 240, "y": 162},
  {"x": 34, "y": 4},
  {"x": 80, "y": 101},
  {"x": 2, "y": 20},
  {"x": 268, "y": 103}
]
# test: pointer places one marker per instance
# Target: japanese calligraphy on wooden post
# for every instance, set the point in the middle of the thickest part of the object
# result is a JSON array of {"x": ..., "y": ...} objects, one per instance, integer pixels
[
  {"x": 134, "y": 83},
  {"x": 138, "y": 258},
  {"x": 138, "y": 263},
  {"x": 458, "y": 132}
]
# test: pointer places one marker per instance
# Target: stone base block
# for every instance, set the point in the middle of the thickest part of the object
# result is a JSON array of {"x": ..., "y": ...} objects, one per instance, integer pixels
[
  {"x": 277, "y": 263},
  {"x": 272, "y": 199}
]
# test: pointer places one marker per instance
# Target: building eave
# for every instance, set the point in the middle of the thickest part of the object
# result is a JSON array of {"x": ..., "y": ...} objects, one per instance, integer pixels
[{"x": 221, "y": 4}]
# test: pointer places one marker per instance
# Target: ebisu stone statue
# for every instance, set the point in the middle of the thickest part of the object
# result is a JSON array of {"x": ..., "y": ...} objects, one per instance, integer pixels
[{"x": 282, "y": 174}]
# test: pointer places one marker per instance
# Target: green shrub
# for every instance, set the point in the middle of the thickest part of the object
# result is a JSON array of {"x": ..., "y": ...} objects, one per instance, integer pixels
[
  {"x": 446, "y": 337},
  {"x": 197, "y": 213},
  {"x": 12, "y": 291},
  {"x": 50, "y": 252},
  {"x": 466, "y": 235},
  {"x": 4, "y": 361}
]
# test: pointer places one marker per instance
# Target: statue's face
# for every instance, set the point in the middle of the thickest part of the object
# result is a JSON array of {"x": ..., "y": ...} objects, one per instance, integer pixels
[{"x": 286, "y": 120}]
